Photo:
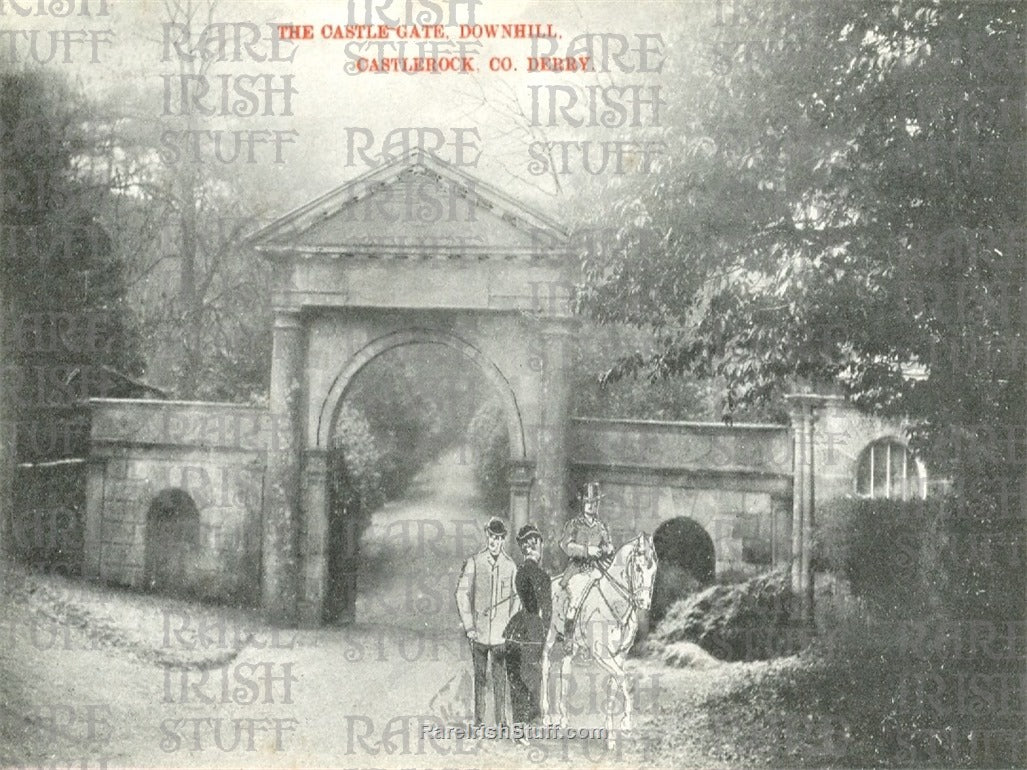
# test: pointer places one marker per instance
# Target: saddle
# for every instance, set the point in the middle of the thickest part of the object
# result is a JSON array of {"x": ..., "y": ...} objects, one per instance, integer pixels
[{"x": 594, "y": 578}]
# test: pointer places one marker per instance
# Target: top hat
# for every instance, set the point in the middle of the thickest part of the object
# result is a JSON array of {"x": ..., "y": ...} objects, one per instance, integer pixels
[
  {"x": 496, "y": 526},
  {"x": 590, "y": 492},
  {"x": 527, "y": 532}
]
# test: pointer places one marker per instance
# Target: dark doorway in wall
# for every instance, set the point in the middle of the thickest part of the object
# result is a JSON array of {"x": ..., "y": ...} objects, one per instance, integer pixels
[
  {"x": 687, "y": 562},
  {"x": 172, "y": 537}
]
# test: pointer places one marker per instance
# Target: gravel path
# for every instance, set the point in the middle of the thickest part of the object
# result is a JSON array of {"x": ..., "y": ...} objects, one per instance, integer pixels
[{"x": 91, "y": 674}]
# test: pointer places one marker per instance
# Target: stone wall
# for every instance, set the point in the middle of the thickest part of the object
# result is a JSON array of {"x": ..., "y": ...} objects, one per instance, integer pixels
[
  {"x": 736, "y": 482},
  {"x": 49, "y": 508},
  {"x": 840, "y": 436},
  {"x": 144, "y": 450},
  {"x": 733, "y": 480}
]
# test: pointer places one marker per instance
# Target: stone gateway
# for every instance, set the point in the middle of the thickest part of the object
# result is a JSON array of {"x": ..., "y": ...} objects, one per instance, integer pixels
[{"x": 417, "y": 251}]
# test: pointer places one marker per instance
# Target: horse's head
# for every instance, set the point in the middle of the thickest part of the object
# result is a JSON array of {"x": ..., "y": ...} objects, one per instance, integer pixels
[{"x": 640, "y": 569}]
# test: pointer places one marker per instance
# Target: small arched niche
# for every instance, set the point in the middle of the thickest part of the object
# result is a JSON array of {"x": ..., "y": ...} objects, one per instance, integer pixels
[{"x": 172, "y": 539}]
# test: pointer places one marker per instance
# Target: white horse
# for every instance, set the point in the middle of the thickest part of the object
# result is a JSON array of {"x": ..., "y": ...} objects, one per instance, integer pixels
[{"x": 606, "y": 626}]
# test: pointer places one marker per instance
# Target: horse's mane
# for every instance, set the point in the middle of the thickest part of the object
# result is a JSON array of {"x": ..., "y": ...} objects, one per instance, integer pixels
[{"x": 620, "y": 557}]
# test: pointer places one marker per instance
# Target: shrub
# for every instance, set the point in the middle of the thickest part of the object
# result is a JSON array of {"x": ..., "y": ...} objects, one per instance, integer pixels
[
  {"x": 672, "y": 584},
  {"x": 937, "y": 557},
  {"x": 357, "y": 488},
  {"x": 940, "y": 623},
  {"x": 746, "y": 621},
  {"x": 875, "y": 545},
  {"x": 490, "y": 453}
]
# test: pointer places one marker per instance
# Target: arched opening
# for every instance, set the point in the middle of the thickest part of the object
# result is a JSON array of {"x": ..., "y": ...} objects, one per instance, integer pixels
[
  {"x": 687, "y": 562},
  {"x": 406, "y": 497},
  {"x": 888, "y": 469},
  {"x": 342, "y": 383},
  {"x": 172, "y": 538}
]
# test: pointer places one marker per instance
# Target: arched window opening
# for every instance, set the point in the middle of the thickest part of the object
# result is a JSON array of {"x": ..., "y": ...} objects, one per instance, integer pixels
[{"x": 888, "y": 470}]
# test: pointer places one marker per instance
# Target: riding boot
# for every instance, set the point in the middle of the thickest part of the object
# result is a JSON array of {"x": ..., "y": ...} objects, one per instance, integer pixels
[{"x": 568, "y": 634}]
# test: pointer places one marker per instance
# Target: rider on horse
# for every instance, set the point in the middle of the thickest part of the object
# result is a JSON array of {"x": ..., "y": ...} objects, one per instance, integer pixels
[{"x": 587, "y": 543}]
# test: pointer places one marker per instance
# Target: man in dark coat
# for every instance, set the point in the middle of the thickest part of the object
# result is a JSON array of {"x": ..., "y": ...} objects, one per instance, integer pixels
[{"x": 528, "y": 628}]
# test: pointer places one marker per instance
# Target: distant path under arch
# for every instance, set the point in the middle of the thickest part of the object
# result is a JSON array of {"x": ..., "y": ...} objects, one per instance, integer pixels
[{"x": 337, "y": 392}]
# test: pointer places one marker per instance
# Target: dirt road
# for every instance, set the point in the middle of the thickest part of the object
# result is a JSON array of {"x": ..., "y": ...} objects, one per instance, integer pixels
[{"x": 94, "y": 675}]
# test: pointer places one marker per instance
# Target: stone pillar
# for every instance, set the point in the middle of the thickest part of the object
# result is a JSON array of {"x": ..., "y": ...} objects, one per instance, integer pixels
[
  {"x": 314, "y": 536},
  {"x": 802, "y": 413},
  {"x": 521, "y": 473},
  {"x": 92, "y": 542},
  {"x": 10, "y": 400},
  {"x": 553, "y": 428},
  {"x": 780, "y": 529},
  {"x": 279, "y": 574}
]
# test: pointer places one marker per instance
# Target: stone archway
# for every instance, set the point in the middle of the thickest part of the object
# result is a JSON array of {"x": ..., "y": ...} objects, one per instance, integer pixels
[
  {"x": 685, "y": 542},
  {"x": 332, "y": 554},
  {"x": 414, "y": 251},
  {"x": 501, "y": 386}
]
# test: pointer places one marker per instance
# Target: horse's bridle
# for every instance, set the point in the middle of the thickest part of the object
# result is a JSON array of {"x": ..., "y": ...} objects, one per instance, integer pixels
[{"x": 630, "y": 591}]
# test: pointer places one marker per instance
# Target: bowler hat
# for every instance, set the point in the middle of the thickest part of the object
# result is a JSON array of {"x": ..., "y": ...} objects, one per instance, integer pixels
[
  {"x": 496, "y": 526},
  {"x": 527, "y": 532}
]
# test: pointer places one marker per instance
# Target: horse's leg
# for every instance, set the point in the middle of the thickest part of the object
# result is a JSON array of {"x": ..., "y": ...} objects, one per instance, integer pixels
[
  {"x": 565, "y": 675},
  {"x": 626, "y": 691},
  {"x": 613, "y": 685},
  {"x": 611, "y": 698},
  {"x": 624, "y": 683}
]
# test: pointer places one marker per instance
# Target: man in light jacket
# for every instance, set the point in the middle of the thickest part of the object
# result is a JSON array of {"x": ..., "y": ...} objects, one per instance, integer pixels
[{"x": 486, "y": 598}]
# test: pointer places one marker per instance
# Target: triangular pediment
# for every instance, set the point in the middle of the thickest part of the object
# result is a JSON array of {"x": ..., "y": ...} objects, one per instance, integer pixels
[{"x": 419, "y": 205}]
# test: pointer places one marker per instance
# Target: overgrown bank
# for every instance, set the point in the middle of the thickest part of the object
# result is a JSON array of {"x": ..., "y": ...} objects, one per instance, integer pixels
[{"x": 918, "y": 654}]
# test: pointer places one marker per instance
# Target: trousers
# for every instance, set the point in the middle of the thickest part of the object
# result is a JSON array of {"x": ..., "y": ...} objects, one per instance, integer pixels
[
  {"x": 480, "y": 655},
  {"x": 574, "y": 591}
]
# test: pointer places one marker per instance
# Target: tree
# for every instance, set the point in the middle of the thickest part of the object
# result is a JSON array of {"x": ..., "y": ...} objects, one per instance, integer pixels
[
  {"x": 846, "y": 207},
  {"x": 65, "y": 327},
  {"x": 183, "y": 213}
]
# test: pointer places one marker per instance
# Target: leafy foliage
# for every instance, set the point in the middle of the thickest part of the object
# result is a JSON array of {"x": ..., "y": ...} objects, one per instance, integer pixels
[
  {"x": 743, "y": 621},
  {"x": 944, "y": 557},
  {"x": 356, "y": 488},
  {"x": 939, "y": 618},
  {"x": 68, "y": 327},
  {"x": 845, "y": 204},
  {"x": 417, "y": 401},
  {"x": 599, "y": 392},
  {"x": 490, "y": 452}
]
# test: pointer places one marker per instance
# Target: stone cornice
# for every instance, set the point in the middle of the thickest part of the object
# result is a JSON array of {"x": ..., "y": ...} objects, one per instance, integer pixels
[
  {"x": 674, "y": 426},
  {"x": 415, "y": 252}
]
